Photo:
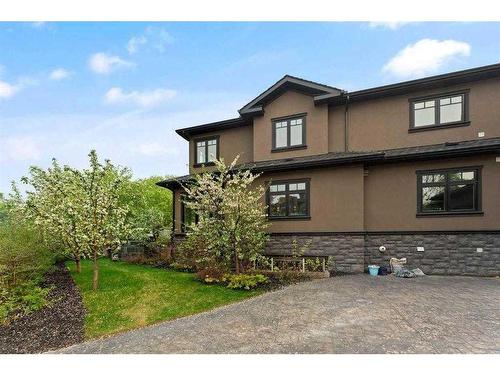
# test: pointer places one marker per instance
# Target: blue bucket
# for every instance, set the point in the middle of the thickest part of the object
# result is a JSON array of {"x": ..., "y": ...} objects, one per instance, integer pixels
[{"x": 373, "y": 270}]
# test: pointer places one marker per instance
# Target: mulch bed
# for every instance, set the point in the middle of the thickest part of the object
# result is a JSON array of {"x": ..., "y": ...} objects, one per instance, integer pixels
[{"x": 58, "y": 325}]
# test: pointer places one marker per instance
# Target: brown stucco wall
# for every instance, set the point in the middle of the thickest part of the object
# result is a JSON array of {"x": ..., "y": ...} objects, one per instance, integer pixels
[
  {"x": 391, "y": 197},
  {"x": 291, "y": 103},
  {"x": 382, "y": 198},
  {"x": 336, "y": 129},
  {"x": 384, "y": 123},
  {"x": 233, "y": 142},
  {"x": 336, "y": 200}
]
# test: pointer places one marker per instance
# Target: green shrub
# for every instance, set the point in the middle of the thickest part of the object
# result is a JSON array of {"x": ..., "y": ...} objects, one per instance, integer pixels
[
  {"x": 210, "y": 275},
  {"x": 244, "y": 281},
  {"x": 24, "y": 259},
  {"x": 21, "y": 300}
]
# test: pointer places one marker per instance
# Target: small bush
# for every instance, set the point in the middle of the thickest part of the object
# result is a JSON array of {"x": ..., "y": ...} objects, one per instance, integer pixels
[
  {"x": 210, "y": 275},
  {"x": 244, "y": 281},
  {"x": 286, "y": 277},
  {"x": 21, "y": 300},
  {"x": 24, "y": 259},
  {"x": 160, "y": 257}
]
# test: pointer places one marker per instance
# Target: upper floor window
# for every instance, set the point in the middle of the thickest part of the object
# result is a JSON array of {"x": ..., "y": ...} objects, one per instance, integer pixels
[
  {"x": 289, "y": 132},
  {"x": 288, "y": 199},
  {"x": 207, "y": 150},
  {"x": 449, "y": 191},
  {"x": 436, "y": 111}
]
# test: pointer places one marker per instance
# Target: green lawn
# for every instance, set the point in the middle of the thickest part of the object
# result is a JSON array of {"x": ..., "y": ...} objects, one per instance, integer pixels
[{"x": 132, "y": 296}]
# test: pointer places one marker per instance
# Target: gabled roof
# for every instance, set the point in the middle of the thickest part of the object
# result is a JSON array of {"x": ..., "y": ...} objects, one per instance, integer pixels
[
  {"x": 428, "y": 152},
  {"x": 288, "y": 82}
]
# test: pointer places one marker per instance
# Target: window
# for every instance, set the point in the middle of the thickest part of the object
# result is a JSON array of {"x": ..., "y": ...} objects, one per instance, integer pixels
[
  {"x": 439, "y": 111},
  {"x": 207, "y": 150},
  {"x": 188, "y": 216},
  {"x": 289, "y": 133},
  {"x": 288, "y": 199},
  {"x": 449, "y": 191}
]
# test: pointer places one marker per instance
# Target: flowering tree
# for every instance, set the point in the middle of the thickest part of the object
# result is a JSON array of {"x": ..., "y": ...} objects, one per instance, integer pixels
[
  {"x": 81, "y": 208},
  {"x": 231, "y": 216}
]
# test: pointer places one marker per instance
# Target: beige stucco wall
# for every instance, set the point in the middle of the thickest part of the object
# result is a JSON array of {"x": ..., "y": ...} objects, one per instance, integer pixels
[
  {"x": 232, "y": 142},
  {"x": 384, "y": 123},
  {"x": 291, "y": 103},
  {"x": 391, "y": 197}
]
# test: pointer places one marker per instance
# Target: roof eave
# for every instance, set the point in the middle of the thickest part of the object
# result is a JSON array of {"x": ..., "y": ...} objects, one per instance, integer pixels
[{"x": 448, "y": 79}]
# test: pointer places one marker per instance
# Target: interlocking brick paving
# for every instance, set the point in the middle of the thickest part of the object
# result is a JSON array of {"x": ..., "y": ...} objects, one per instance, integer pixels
[{"x": 346, "y": 314}]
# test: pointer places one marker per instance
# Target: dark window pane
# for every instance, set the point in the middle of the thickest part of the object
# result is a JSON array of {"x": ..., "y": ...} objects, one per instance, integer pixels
[
  {"x": 462, "y": 176},
  {"x": 438, "y": 177},
  {"x": 297, "y": 204},
  {"x": 277, "y": 205},
  {"x": 433, "y": 198},
  {"x": 461, "y": 197}
]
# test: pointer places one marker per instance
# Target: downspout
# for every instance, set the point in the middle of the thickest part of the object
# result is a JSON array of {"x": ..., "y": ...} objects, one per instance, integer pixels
[{"x": 346, "y": 123}]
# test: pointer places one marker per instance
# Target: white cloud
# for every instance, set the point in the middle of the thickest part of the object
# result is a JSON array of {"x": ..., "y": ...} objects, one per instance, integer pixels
[
  {"x": 60, "y": 74},
  {"x": 20, "y": 148},
  {"x": 389, "y": 25},
  {"x": 134, "y": 43},
  {"x": 103, "y": 63},
  {"x": 144, "y": 99},
  {"x": 155, "y": 37},
  {"x": 8, "y": 90},
  {"x": 425, "y": 56}
]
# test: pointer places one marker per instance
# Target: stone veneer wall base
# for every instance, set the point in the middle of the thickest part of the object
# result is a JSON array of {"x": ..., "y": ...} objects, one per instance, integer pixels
[{"x": 444, "y": 253}]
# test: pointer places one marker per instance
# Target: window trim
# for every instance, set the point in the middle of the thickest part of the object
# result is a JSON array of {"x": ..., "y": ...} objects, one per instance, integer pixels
[
  {"x": 437, "y": 125},
  {"x": 195, "y": 150},
  {"x": 477, "y": 210},
  {"x": 288, "y": 119},
  {"x": 307, "y": 216}
]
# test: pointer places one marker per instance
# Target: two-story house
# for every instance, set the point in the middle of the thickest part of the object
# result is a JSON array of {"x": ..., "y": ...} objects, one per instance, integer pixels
[{"x": 405, "y": 170}]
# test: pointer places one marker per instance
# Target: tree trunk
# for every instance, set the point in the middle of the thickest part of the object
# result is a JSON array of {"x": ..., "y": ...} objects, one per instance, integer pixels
[
  {"x": 78, "y": 264},
  {"x": 95, "y": 279},
  {"x": 237, "y": 262}
]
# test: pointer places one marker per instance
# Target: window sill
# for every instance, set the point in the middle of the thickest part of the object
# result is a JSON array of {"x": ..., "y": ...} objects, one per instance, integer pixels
[
  {"x": 437, "y": 127},
  {"x": 292, "y": 148},
  {"x": 209, "y": 164},
  {"x": 289, "y": 217},
  {"x": 454, "y": 213}
]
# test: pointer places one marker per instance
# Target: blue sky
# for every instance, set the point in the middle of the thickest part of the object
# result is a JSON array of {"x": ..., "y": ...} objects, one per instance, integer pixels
[{"x": 123, "y": 88}]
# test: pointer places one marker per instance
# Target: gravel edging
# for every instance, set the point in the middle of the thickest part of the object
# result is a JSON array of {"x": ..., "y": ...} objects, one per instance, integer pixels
[{"x": 56, "y": 326}]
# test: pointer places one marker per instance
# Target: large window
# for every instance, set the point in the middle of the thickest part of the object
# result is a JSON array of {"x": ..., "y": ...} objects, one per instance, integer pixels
[
  {"x": 206, "y": 150},
  {"x": 289, "y": 132},
  {"x": 288, "y": 199},
  {"x": 188, "y": 216},
  {"x": 449, "y": 191},
  {"x": 445, "y": 110}
]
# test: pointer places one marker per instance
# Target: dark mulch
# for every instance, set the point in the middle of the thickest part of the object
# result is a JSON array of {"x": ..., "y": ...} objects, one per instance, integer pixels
[{"x": 58, "y": 325}]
